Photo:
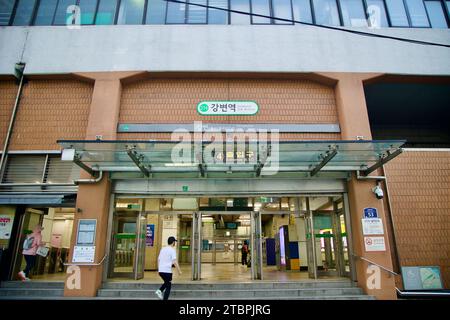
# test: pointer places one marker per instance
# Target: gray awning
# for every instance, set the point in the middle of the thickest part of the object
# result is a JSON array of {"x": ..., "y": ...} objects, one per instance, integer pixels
[{"x": 31, "y": 199}]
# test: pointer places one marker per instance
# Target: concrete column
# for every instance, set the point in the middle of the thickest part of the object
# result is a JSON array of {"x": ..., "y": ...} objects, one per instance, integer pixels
[
  {"x": 93, "y": 199},
  {"x": 354, "y": 121}
]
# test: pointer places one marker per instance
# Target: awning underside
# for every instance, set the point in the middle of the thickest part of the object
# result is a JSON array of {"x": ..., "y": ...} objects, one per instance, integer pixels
[{"x": 242, "y": 160}]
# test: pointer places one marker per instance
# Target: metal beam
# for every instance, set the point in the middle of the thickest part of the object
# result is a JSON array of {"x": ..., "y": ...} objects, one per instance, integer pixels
[
  {"x": 330, "y": 155},
  {"x": 137, "y": 159},
  {"x": 262, "y": 162},
  {"x": 202, "y": 168},
  {"x": 382, "y": 161},
  {"x": 77, "y": 161}
]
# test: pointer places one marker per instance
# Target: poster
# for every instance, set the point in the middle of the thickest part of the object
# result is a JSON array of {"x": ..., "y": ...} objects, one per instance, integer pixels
[
  {"x": 422, "y": 278},
  {"x": 6, "y": 222},
  {"x": 372, "y": 226},
  {"x": 84, "y": 254},
  {"x": 374, "y": 244},
  {"x": 86, "y": 232},
  {"x": 150, "y": 235}
]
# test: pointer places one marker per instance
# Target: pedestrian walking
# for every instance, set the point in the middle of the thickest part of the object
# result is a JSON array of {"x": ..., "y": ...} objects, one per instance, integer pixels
[{"x": 166, "y": 260}]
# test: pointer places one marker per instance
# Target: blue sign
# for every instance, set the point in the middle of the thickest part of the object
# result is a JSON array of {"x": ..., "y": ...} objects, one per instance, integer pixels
[
  {"x": 422, "y": 278},
  {"x": 370, "y": 213},
  {"x": 150, "y": 235}
]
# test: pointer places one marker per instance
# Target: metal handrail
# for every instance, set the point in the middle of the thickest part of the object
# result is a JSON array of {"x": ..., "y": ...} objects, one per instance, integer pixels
[
  {"x": 376, "y": 264},
  {"x": 86, "y": 264}
]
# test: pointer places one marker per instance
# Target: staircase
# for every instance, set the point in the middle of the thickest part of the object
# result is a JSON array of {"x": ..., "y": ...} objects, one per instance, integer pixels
[
  {"x": 317, "y": 290},
  {"x": 305, "y": 290}
]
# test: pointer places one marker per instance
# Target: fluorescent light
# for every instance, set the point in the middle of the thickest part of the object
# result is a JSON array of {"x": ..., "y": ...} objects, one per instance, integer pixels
[{"x": 179, "y": 164}]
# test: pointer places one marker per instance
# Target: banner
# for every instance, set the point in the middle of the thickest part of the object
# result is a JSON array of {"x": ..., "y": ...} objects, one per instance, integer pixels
[{"x": 150, "y": 236}]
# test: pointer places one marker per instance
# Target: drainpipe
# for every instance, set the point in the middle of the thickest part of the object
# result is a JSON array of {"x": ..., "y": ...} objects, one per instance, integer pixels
[
  {"x": 388, "y": 198},
  {"x": 89, "y": 181},
  {"x": 19, "y": 68}
]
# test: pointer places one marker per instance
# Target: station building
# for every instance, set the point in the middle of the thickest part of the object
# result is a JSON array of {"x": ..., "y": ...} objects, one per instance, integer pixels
[{"x": 89, "y": 132}]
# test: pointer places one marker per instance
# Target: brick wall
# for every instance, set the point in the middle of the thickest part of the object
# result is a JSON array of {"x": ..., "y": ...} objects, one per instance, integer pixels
[
  {"x": 8, "y": 92},
  {"x": 51, "y": 110},
  {"x": 419, "y": 185},
  {"x": 175, "y": 100}
]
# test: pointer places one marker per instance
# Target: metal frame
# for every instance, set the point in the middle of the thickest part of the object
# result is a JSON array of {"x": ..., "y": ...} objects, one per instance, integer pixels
[
  {"x": 348, "y": 227},
  {"x": 330, "y": 154},
  {"x": 137, "y": 159},
  {"x": 382, "y": 161}
]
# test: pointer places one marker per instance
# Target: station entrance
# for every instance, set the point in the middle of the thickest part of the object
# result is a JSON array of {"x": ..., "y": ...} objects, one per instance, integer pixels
[{"x": 288, "y": 238}]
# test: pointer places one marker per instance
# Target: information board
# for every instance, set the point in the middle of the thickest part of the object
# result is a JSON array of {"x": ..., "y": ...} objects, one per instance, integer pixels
[
  {"x": 84, "y": 254},
  {"x": 86, "y": 232},
  {"x": 422, "y": 278}
]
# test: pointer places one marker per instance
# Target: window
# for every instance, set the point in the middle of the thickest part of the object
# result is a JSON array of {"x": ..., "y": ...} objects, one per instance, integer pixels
[
  {"x": 197, "y": 14},
  {"x": 176, "y": 12},
  {"x": 216, "y": 16},
  {"x": 87, "y": 8},
  {"x": 447, "y": 3},
  {"x": 436, "y": 14},
  {"x": 260, "y": 7},
  {"x": 302, "y": 11},
  {"x": 24, "y": 12},
  {"x": 282, "y": 9},
  {"x": 353, "y": 14},
  {"x": 131, "y": 12},
  {"x": 156, "y": 12},
  {"x": 417, "y": 13},
  {"x": 240, "y": 5},
  {"x": 377, "y": 13},
  {"x": 326, "y": 12},
  {"x": 106, "y": 12},
  {"x": 6, "y": 8},
  {"x": 397, "y": 13},
  {"x": 61, "y": 12},
  {"x": 45, "y": 13}
]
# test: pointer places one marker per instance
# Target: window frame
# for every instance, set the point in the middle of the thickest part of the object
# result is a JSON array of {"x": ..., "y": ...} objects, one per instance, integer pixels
[
  {"x": 33, "y": 12},
  {"x": 445, "y": 9},
  {"x": 409, "y": 15},
  {"x": 313, "y": 10},
  {"x": 284, "y": 22}
]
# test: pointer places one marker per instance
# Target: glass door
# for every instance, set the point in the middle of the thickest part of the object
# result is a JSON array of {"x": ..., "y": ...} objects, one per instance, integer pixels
[{"x": 140, "y": 247}]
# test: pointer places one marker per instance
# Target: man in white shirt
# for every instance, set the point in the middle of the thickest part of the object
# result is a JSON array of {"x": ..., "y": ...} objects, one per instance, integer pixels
[{"x": 167, "y": 258}]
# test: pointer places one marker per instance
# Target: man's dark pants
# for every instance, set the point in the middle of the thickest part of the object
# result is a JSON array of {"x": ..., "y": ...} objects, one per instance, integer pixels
[{"x": 167, "y": 277}]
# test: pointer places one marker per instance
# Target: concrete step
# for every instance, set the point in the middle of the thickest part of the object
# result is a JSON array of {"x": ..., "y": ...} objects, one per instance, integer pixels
[
  {"x": 33, "y": 284},
  {"x": 228, "y": 286},
  {"x": 23, "y": 292}
]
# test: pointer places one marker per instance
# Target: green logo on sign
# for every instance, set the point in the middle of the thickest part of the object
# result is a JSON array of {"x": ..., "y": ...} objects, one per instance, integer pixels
[
  {"x": 204, "y": 107},
  {"x": 185, "y": 188}
]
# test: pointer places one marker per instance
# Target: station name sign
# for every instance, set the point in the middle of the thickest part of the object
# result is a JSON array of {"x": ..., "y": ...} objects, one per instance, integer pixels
[{"x": 227, "y": 108}]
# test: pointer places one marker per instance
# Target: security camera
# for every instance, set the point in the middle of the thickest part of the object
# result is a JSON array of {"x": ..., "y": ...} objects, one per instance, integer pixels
[{"x": 378, "y": 192}]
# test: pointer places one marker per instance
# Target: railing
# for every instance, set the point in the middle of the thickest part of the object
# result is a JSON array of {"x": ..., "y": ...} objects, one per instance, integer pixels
[
  {"x": 87, "y": 264},
  {"x": 376, "y": 264}
]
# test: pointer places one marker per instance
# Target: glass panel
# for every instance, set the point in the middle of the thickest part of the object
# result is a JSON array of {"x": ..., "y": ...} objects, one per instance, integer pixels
[
  {"x": 397, "y": 13},
  {"x": 24, "y": 13},
  {"x": 87, "y": 8},
  {"x": 377, "y": 13},
  {"x": 197, "y": 14},
  {"x": 417, "y": 13},
  {"x": 326, "y": 12},
  {"x": 261, "y": 7},
  {"x": 6, "y": 7},
  {"x": 240, "y": 5},
  {"x": 106, "y": 12},
  {"x": 176, "y": 12},
  {"x": 447, "y": 3},
  {"x": 353, "y": 14},
  {"x": 302, "y": 11},
  {"x": 156, "y": 12},
  {"x": 45, "y": 13},
  {"x": 282, "y": 9},
  {"x": 218, "y": 16},
  {"x": 61, "y": 12},
  {"x": 131, "y": 12},
  {"x": 436, "y": 14}
]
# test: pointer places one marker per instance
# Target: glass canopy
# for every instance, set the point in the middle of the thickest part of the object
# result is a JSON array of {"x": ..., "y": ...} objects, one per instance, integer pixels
[{"x": 238, "y": 159}]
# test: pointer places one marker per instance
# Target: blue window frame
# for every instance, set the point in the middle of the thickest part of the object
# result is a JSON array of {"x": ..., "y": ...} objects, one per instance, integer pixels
[
  {"x": 88, "y": 8},
  {"x": 240, "y": 5},
  {"x": 24, "y": 12},
  {"x": 436, "y": 14},
  {"x": 61, "y": 14},
  {"x": 131, "y": 12},
  {"x": 377, "y": 13},
  {"x": 417, "y": 13},
  {"x": 197, "y": 14},
  {"x": 282, "y": 9},
  {"x": 216, "y": 16},
  {"x": 176, "y": 12},
  {"x": 353, "y": 13},
  {"x": 261, "y": 7},
  {"x": 326, "y": 12},
  {"x": 397, "y": 13},
  {"x": 6, "y": 9},
  {"x": 106, "y": 12},
  {"x": 45, "y": 13},
  {"x": 156, "y": 12},
  {"x": 302, "y": 11}
]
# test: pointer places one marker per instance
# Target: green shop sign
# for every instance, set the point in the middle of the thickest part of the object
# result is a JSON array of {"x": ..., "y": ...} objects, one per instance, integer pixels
[{"x": 227, "y": 108}]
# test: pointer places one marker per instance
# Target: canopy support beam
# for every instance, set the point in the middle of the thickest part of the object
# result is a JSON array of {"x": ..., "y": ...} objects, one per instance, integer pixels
[
  {"x": 330, "y": 154},
  {"x": 382, "y": 161},
  {"x": 137, "y": 159},
  {"x": 78, "y": 162}
]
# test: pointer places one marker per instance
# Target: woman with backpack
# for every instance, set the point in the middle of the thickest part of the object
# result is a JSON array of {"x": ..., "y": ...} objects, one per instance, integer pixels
[{"x": 30, "y": 246}]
